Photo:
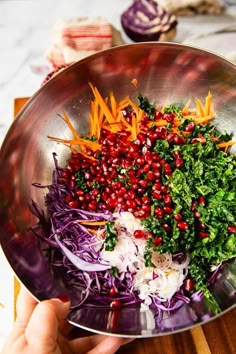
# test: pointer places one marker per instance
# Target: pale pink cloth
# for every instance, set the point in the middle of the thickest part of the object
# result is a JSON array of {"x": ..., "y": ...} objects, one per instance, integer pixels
[{"x": 76, "y": 38}]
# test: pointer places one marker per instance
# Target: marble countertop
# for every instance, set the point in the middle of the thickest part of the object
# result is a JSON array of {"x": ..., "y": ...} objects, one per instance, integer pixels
[{"x": 25, "y": 29}]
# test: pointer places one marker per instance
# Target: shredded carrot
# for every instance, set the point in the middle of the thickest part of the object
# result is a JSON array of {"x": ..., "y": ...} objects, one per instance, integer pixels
[
  {"x": 160, "y": 122},
  {"x": 186, "y": 106},
  {"x": 134, "y": 82},
  {"x": 226, "y": 144},
  {"x": 124, "y": 121},
  {"x": 70, "y": 125},
  {"x": 107, "y": 112},
  {"x": 201, "y": 120},
  {"x": 208, "y": 104},
  {"x": 93, "y": 223},
  {"x": 113, "y": 104},
  {"x": 200, "y": 108},
  {"x": 123, "y": 103}
]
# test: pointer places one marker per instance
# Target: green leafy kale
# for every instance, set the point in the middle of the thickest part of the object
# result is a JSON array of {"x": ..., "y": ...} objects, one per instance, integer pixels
[
  {"x": 81, "y": 181},
  {"x": 110, "y": 236},
  {"x": 146, "y": 106}
]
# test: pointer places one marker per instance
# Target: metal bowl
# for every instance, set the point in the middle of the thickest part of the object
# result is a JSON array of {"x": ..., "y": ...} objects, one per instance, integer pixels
[{"x": 164, "y": 71}]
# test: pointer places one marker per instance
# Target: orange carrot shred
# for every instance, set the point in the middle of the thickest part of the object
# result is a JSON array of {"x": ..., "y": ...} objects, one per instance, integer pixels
[
  {"x": 226, "y": 144},
  {"x": 134, "y": 82},
  {"x": 200, "y": 108}
]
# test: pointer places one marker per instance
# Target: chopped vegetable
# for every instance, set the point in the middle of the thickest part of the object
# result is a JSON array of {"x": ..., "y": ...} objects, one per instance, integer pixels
[{"x": 146, "y": 204}]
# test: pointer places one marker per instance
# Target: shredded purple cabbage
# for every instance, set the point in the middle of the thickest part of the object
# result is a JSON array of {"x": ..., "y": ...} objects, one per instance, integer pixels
[{"x": 77, "y": 253}]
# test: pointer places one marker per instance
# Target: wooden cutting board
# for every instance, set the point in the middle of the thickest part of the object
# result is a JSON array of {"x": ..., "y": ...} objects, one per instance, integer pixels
[{"x": 216, "y": 337}]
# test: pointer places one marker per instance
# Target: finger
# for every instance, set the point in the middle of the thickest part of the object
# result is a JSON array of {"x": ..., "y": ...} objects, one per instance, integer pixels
[
  {"x": 25, "y": 306},
  {"x": 86, "y": 344},
  {"x": 109, "y": 345},
  {"x": 42, "y": 329}
]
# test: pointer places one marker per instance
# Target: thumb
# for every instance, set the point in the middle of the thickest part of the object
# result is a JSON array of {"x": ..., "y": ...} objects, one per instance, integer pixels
[{"x": 42, "y": 330}]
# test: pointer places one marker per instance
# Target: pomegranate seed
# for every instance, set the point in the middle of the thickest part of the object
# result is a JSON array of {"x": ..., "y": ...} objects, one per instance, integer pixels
[
  {"x": 179, "y": 162},
  {"x": 169, "y": 117},
  {"x": 153, "y": 135},
  {"x": 139, "y": 213},
  {"x": 202, "y": 226},
  {"x": 130, "y": 203},
  {"x": 197, "y": 214},
  {"x": 170, "y": 137},
  {"x": 122, "y": 191},
  {"x": 146, "y": 199},
  {"x": 133, "y": 180},
  {"x": 167, "y": 168},
  {"x": 140, "y": 191},
  {"x": 159, "y": 213},
  {"x": 166, "y": 227},
  {"x": 182, "y": 225},
  {"x": 143, "y": 183},
  {"x": 112, "y": 291},
  {"x": 141, "y": 138},
  {"x": 150, "y": 176},
  {"x": 157, "y": 186},
  {"x": 146, "y": 208},
  {"x": 87, "y": 197},
  {"x": 93, "y": 205},
  {"x": 104, "y": 196},
  {"x": 140, "y": 161},
  {"x": 167, "y": 199},
  {"x": 177, "y": 154},
  {"x": 116, "y": 304},
  {"x": 179, "y": 140},
  {"x": 146, "y": 168},
  {"x": 162, "y": 162},
  {"x": 167, "y": 210},
  {"x": 131, "y": 194},
  {"x": 139, "y": 234},
  {"x": 163, "y": 189},
  {"x": 115, "y": 185},
  {"x": 231, "y": 229},
  {"x": 138, "y": 201},
  {"x": 156, "y": 165},
  {"x": 190, "y": 127},
  {"x": 148, "y": 157},
  {"x": 193, "y": 206},
  {"x": 188, "y": 284},
  {"x": 85, "y": 166},
  {"x": 74, "y": 203},
  {"x": 178, "y": 217},
  {"x": 156, "y": 173},
  {"x": 157, "y": 195},
  {"x": 68, "y": 198},
  {"x": 157, "y": 241},
  {"x": 201, "y": 200},
  {"x": 79, "y": 192},
  {"x": 72, "y": 184},
  {"x": 203, "y": 234},
  {"x": 66, "y": 174},
  {"x": 158, "y": 115},
  {"x": 155, "y": 157}
]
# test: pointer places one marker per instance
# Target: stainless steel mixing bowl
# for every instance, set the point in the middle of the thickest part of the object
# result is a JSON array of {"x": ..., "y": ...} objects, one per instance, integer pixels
[{"x": 164, "y": 71}]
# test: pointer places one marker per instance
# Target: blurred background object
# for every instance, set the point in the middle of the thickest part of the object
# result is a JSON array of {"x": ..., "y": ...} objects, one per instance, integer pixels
[{"x": 192, "y": 7}]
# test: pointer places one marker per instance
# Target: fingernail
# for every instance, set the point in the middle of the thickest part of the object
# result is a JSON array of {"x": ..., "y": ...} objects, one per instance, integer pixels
[{"x": 63, "y": 298}]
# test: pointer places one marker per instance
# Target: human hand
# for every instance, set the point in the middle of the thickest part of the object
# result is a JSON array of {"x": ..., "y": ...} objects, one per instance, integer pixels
[{"x": 40, "y": 328}]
